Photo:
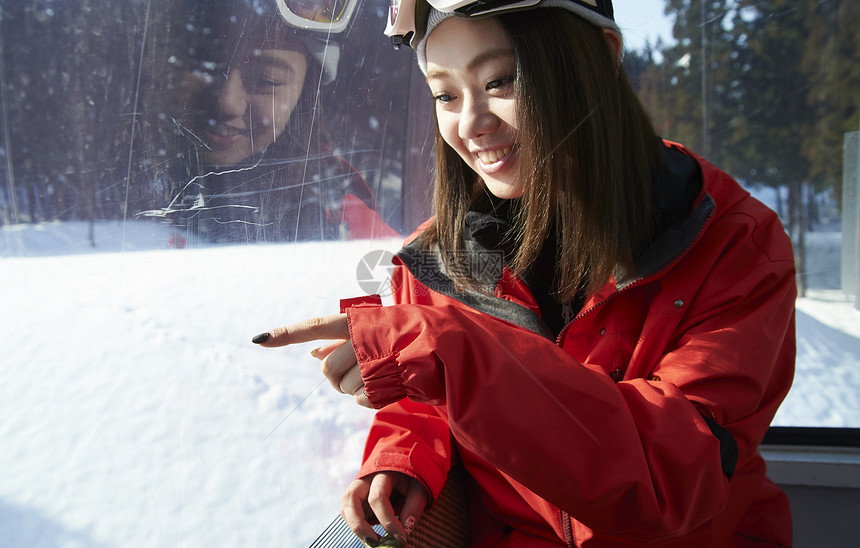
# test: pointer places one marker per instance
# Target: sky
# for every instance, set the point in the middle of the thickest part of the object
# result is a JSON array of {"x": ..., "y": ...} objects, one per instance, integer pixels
[{"x": 642, "y": 21}]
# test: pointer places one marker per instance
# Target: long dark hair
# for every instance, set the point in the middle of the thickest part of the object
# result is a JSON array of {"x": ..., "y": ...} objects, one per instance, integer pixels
[{"x": 588, "y": 155}]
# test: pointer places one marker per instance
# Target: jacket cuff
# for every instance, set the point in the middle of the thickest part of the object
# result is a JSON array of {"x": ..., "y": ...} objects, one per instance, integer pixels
[
  {"x": 434, "y": 470},
  {"x": 381, "y": 373},
  {"x": 382, "y": 379},
  {"x": 387, "y": 462}
]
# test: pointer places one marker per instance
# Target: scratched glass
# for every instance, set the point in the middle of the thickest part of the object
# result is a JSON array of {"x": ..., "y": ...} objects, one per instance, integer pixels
[{"x": 176, "y": 175}]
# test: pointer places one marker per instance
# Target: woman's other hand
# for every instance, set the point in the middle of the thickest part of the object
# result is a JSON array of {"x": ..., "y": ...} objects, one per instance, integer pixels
[{"x": 371, "y": 497}]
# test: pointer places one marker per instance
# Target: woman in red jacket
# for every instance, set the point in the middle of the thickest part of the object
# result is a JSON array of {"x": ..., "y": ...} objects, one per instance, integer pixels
[{"x": 597, "y": 325}]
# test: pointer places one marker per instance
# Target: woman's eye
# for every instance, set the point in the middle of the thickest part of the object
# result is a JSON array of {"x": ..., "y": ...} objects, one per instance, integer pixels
[
  {"x": 263, "y": 85},
  {"x": 263, "y": 77},
  {"x": 443, "y": 98},
  {"x": 500, "y": 83},
  {"x": 268, "y": 83}
]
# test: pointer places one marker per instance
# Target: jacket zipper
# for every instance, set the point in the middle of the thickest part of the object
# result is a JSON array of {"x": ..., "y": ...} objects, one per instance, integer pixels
[
  {"x": 568, "y": 322},
  {"x": 566, "y": 311},
  {"x": 567, "y": 527}
]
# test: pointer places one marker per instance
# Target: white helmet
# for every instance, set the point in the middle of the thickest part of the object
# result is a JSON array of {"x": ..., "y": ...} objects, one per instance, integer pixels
[{"x": 407, "y": 19}]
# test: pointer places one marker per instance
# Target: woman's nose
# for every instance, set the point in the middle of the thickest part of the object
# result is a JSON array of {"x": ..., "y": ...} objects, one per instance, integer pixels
[
  {"x": 477, "y": 119},
  {"x": 232, "y": 99}
]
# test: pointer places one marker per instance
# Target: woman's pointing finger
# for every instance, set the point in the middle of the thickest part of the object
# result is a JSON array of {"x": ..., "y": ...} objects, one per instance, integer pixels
[{"x": 321, "y": 328}]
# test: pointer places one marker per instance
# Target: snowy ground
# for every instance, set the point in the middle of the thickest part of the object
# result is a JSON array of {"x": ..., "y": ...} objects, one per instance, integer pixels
[{"x": 136, "y": 412}]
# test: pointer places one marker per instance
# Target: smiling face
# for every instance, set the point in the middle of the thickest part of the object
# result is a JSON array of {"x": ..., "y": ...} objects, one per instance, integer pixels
[
  {"x": 470, "y": 71},
  {"x": 242, "y": 109}
]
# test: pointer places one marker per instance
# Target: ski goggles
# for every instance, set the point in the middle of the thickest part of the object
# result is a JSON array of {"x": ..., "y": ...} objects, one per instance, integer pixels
[
  {"x": 407, "y": 19},
  {"x": 323, "y": 15}
]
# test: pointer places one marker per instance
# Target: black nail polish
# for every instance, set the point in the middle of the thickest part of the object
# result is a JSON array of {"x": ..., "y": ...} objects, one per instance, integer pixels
[{"x": 261, "y": 338}]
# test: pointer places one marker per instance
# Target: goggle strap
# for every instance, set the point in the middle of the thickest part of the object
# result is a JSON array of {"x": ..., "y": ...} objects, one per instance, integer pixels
[{"x": 486, "y": 8}]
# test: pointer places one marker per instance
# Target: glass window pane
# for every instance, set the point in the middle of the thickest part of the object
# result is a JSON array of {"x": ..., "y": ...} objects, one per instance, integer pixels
[{"x": 177, "y": 176}]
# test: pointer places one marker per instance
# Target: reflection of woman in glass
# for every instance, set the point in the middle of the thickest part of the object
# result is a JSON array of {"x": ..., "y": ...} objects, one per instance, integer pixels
[
  {"x": 242, "y": 111},
  {"x": 259, "y": 166}
]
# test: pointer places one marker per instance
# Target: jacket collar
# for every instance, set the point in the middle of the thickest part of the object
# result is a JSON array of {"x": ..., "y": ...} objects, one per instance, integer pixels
[
  {"x": 683, "y": 209},
  {"x": 683, "y": 205}
]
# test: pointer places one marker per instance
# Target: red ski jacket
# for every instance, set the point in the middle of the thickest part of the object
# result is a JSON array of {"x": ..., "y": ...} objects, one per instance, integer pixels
[{"x": 639, "y": 423}]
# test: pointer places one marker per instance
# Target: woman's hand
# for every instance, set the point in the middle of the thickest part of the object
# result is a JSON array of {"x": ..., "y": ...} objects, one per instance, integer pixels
[
  {"x": 371, "y": 496},
  {"x": 339, "y": 364}
]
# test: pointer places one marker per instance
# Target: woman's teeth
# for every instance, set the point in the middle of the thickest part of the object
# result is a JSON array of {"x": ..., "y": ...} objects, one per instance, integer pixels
[{"x": 493, "y": 156}]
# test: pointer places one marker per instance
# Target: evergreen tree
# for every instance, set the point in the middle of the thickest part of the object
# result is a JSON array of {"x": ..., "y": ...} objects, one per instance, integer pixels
[
  {"x": 773, "y": 120},
  {"x": 699, "y": 96},
  {"x": 68, "y": 83},
  {"x": 830, "y": 61},
  {"x": 743, "y": 59}
]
